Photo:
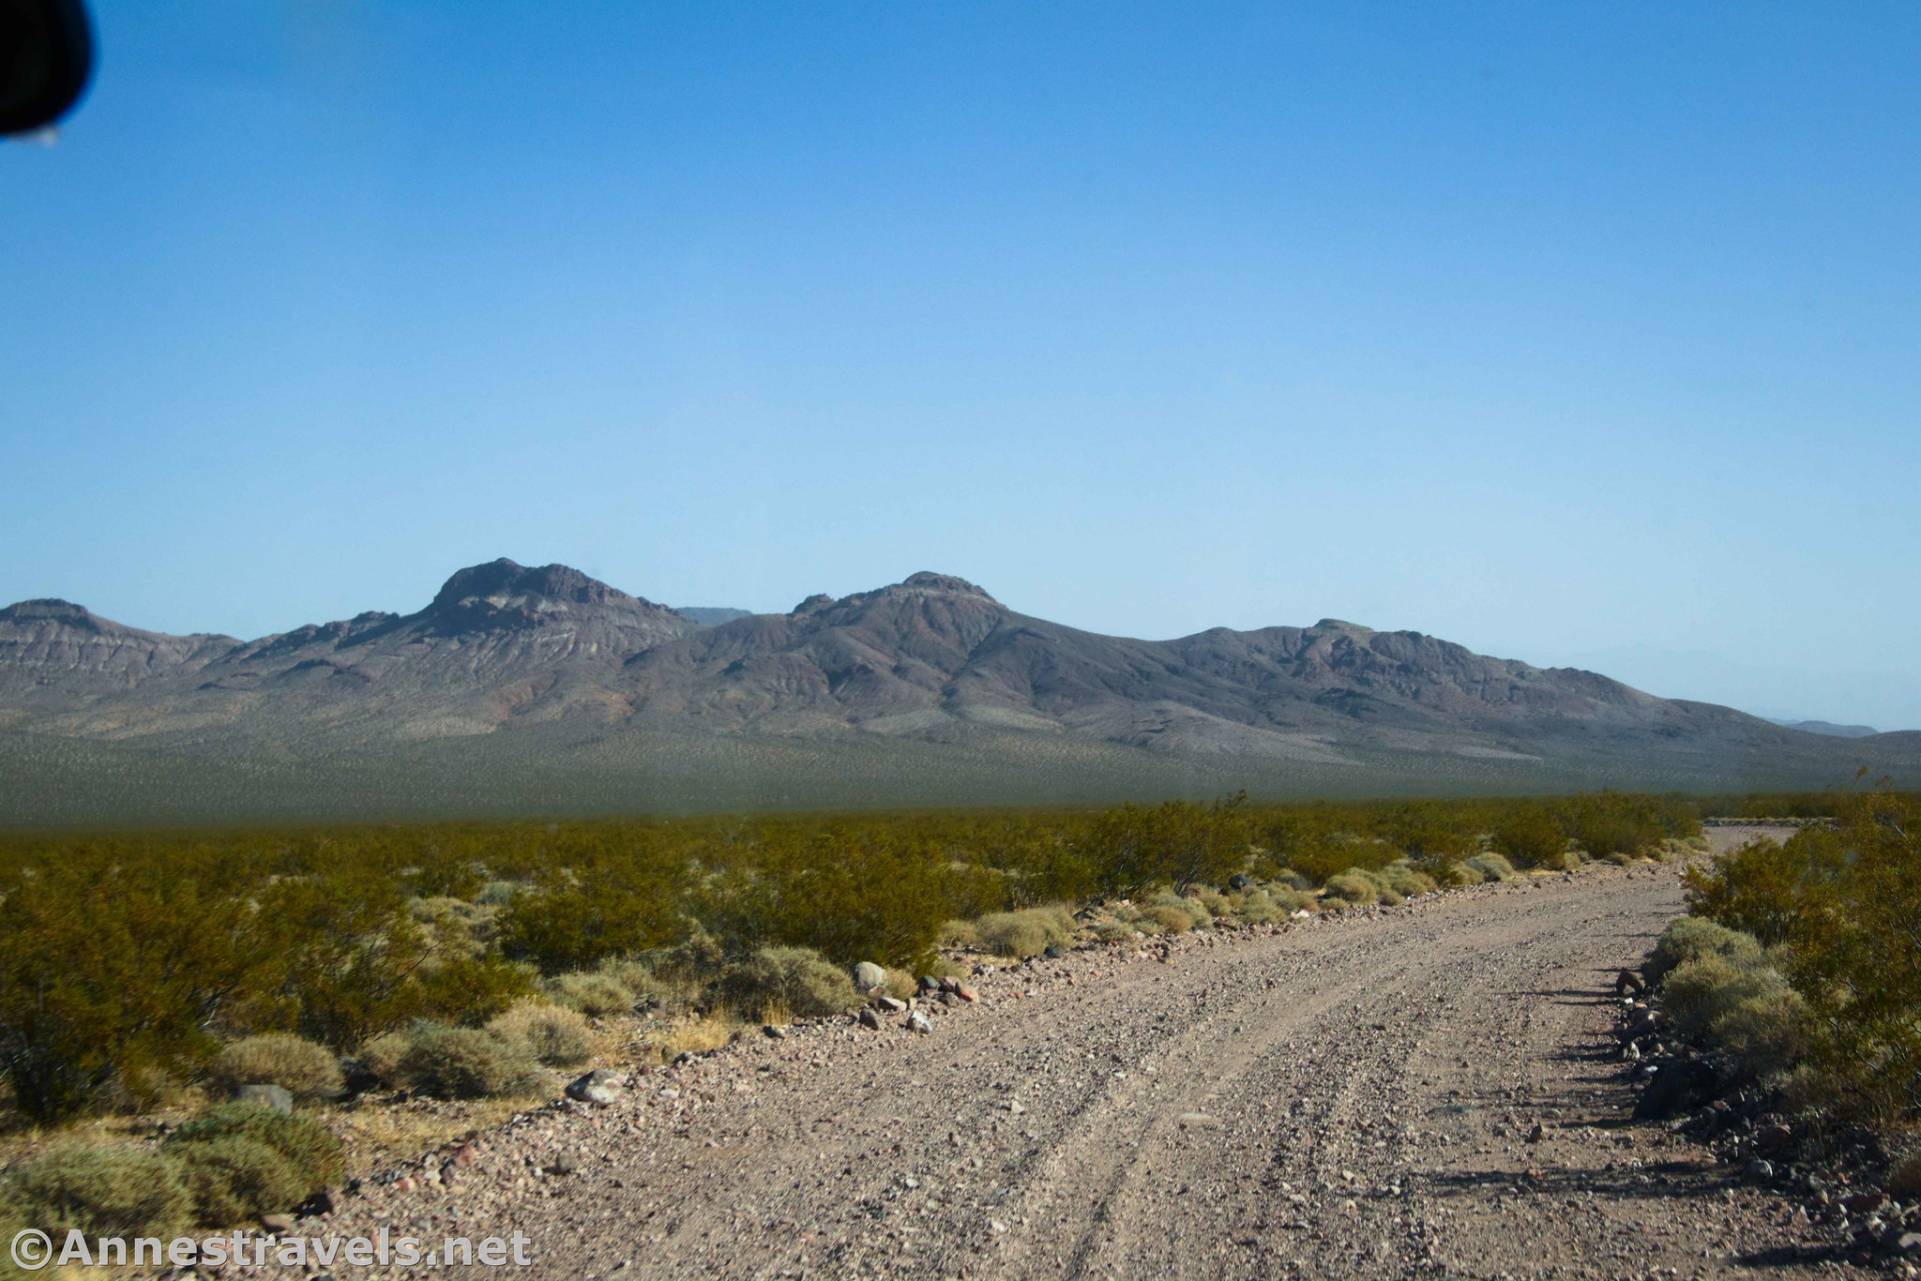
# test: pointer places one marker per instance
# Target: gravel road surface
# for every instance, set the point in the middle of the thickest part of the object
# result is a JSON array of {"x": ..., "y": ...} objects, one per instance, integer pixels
[{"x": 1426, "y": 1091}]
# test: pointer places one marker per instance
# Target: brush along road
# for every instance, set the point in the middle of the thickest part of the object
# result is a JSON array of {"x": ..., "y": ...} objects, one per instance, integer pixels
[{"x": 1422, "y": 1091}]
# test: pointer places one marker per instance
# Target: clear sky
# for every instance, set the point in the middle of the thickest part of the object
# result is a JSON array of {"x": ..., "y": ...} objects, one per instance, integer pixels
[{"x": 1576, "y": 333}]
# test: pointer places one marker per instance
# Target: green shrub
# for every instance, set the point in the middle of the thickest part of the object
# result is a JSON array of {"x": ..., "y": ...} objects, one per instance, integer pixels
[
  {"x": 1492, "y": 866},
  {"x": 1745, "y": 1008},
  {"x": 1257, "y": 907},
  {"x": 465, "y": 1063},
  {"x": 797, "y": 980},
  {"x": 1462, "y": 875},
  {"x": 234, "y": 1178},
  {"x": 382, "y": 1055},
  {"x": 1166, "y": 918},
  {"x": 592, "y": 993},
  {"x": 1689, "y": 938},
  {"x": 1353, "y": 887},
  {"x": 552, "y": 1034},
  {"x": 1530, "y": 837},
  {"x": 308, "y": 1146},
  {"x": 103, "y": 1191},
  {"x": 1025, "y": 933},
  {"x": 303, "y": 1069},
  {"x": 960, "y": 934},
  {"x": 1409, "y": 882}
]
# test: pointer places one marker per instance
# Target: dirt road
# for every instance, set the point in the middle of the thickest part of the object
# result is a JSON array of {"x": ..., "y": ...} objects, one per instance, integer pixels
[{"x": 1352, "y": 1097}]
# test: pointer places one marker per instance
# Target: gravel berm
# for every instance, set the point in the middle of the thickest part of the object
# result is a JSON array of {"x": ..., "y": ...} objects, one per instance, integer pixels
[{"x": 1425, "y": 1091}]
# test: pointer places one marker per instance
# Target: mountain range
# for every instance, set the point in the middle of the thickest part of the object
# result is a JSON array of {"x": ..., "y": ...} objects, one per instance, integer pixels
[{"x": 521, "y": 689}]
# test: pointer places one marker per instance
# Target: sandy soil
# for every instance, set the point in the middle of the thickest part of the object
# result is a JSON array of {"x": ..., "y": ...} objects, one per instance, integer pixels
[{"x": 1356, "y": 1097}]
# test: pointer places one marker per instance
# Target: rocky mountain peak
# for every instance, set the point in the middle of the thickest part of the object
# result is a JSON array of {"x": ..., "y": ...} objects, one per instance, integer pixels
[
  {"x": 49, "y": 609},
  {"x": 504, "y": 592},
  {"x": 927, "y": 581}
]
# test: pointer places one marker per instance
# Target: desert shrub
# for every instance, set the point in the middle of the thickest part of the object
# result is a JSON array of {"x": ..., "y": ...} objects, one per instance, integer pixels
[
  {"x": 571, "y": 921},
  {"x": 552, "y": 1034},
  {"x": 1461, "y": 875},
  {"x": 796, "y": 980},
  {"x": 1530, "y": 836},
  {"x": 453, "y": 928},
  {"x": 1689, "y": 938},
  {"x": 960, "y": 934},
  {"x": 381, "y": 1056},
  {"x": 303, "y": 1069},
  {"x": 1492, "y": 866},
  {"x": 234, "y": 1178},
  {"x": 497, "y": 893},
  {"x": 1839, "y": 907},
  {"x": 1191, "y": 904},
  {"x": 1176, "y": 843},
  {"x": 1025, "y": 933},
  {"x": 1353, "y": 887},
  {"x": 1217, "y": 904},
  {"x": 592, "y": 993},
  {"x": 1108, "y": 928},
  {"x": 106, "y": 986},
  {"x": 1406, "y": 881},
  {"x": 465, "y": 1063},
  {"x": 1257, "y": 907},
  {"x": 103, "y": 1191},
  {"x": 1745, "y": 1008},
  {"x": 308, "y": 1146},
  {"x": 1166, "y": 918}
]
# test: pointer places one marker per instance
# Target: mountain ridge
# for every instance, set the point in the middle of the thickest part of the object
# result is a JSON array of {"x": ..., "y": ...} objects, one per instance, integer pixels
[{"x": 933, "y": 659}]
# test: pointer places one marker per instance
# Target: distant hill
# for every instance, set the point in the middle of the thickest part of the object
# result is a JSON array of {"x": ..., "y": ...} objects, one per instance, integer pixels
[
  {"x": 523, "y": 689},
  {"x": 712, "y": 615},
  {"x": 1830, "y": 729}
]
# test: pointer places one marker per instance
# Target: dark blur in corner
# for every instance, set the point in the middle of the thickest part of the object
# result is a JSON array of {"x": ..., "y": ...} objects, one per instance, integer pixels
[{"x": 46, "y": 59}]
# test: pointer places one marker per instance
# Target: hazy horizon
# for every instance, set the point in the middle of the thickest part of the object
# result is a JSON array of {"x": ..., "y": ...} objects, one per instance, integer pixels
[{"x": 1584, "y": 337}]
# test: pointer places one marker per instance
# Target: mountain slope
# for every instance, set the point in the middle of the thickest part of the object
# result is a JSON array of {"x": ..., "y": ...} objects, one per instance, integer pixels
[{"x": 639, "y": 701}]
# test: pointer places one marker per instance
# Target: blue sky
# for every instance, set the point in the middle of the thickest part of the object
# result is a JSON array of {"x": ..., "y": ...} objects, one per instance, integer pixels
[{"x": 1575, "y": 333}]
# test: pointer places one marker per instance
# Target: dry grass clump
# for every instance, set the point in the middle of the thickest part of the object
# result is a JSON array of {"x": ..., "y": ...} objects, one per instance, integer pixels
[
  {"x": 1025, "y": 933},
  {"x": 1461, "y": 875},
  {"x": 693, "y": 1034},
  {"x": 302, "y": 1068},
  {"x": 553, "y": 1034},
  {"x": 795, "y": 981},
  {"x": 594, "y": 993}
]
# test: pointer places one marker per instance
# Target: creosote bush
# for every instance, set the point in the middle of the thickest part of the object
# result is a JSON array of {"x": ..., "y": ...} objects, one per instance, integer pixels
[
  {"x": 343, "y": 936},
  {"x": 303, "y": 1069}
]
